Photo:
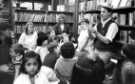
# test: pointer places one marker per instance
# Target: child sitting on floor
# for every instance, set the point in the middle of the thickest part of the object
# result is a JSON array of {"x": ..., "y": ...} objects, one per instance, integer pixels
[{"x": 65, "y": 62}]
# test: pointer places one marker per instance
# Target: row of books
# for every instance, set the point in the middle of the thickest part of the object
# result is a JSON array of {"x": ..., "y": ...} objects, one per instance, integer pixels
[
  {"x": 88, "y": 5},
  {"x": 65, "y": 5},
  {"x": 24, "y": 17},
  {"x": 63, "y": 8},
  {"x": 116, "y": 3},
  {"x": 91, "y": 17},
  {"x": 121, "y": 3},
  {"x": 94, "y": 4},
  {"x": 21, "y": 28}
]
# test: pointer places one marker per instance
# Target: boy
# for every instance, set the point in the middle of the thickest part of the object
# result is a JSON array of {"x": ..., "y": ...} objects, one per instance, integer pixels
[{"x": 65, "y": 62}]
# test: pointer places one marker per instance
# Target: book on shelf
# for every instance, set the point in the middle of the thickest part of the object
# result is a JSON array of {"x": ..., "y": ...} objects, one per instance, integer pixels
[
  {"x": 28, "y": 5},
  {"x": 71, "y": 8},
  {"x": 91, "y": 5},
  {"x": 122, "y": 19},
  {"x": 70, "y": 5},
  {"x": 40, "y": 28},
  {"x": 19, "y": 29},
  {"x": 15, "y": 16},
  {"x": 82, "y": 6},
  {"x": 91, "y": 17},
  {"x": 38, "y": 6},
  {"x": 50, "y": 8},
  {"x": 68, "y": 18},
  {"x": 40, "y": 17},
  {"x": 71, "y": 2},
  {"x": 124, "y": 3},
  {"x": 131, "y": 17},
  {"x": 98, "y": 2},
  {"x": 61, "y": 8},
  {"x": 115, "y": 3}
]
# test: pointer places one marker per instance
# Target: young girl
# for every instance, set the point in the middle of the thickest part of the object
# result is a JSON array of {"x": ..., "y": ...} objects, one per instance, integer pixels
[{"x": 32, "y": 71}]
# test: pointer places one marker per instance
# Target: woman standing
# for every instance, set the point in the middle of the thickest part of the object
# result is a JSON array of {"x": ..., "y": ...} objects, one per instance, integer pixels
[{"x": 29, "y": 37}]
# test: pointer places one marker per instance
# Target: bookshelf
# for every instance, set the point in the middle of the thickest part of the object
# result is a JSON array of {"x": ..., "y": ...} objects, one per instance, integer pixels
[
  {"x": 127, "y": 27},
  {"x": 126, "y": 20},
  {"x": 43, "y": 18},
  {"x": 51, "y": 23},
  {"x": 93, "y": 11},
  {"x": 41, "y": 11},
  {"x": 124, "y": 10}
]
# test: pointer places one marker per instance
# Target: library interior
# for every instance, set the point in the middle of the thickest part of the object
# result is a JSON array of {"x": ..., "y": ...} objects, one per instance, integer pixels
[{"x": 67, "y": 41}]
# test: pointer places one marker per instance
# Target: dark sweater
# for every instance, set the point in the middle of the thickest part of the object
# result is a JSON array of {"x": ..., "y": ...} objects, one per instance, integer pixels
[
  {"x": 87, "y": 71},
  {"x": 50, "y": 59}
]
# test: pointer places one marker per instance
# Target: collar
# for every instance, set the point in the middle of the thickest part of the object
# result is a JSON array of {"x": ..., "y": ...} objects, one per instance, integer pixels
[
  {"x": 104, "y": 22},
  {"x": 68, "y": 59}
]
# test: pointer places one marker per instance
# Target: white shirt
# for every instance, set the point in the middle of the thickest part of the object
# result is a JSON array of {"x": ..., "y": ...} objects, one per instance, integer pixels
[
  {"x": 84, "y": 41},
  {"x": 42, "y": 51},
  {"x": 28, "y": 41},
  {"x": 62, "y": 27},
  {"x": 45, "y": 76}
]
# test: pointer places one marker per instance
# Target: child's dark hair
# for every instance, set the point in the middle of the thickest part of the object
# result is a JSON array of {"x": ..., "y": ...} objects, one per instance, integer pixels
[
  {"x": 67, "y": 50},
  {"x": 51, "y": 46},
  {"x": 27, "y": 56},
  {"x": 18, "y": 48},
  {"x": 41, "y": 38},
  {"x": 129, "y": 51}
]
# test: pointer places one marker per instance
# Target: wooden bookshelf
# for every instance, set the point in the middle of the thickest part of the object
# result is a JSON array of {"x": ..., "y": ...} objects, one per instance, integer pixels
[
  {"x": 33, "y": 0},
  {"x": 93, "y": 11},
  {"x": 41, "y": 11},
  {"x": 124, "y": 10},
  {"x": 127, "y": 28},
  {"x": 23, "y": 22},
  {"x": 41, "y": 18}
]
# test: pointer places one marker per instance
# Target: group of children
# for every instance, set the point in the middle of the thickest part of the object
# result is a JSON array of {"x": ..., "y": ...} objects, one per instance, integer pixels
[
  {"x": 51, "y": 64},
  {"x": 57, "y": 62}
]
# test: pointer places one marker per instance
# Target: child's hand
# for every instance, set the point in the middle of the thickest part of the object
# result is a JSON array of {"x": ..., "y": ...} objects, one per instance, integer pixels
[
  {"x": 4, "y": 68},
  {"x": 18, "y": 58}
]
